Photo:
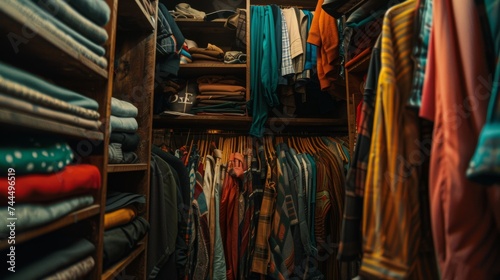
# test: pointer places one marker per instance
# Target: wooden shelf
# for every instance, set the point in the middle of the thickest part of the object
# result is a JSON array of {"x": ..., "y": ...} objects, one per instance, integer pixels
[
  {"x": 204, "y": 67},
  {"x": 116, "y": 269},
  {"x": 301, "y": 4},
  {"x": 213, "y": 64},
  {"x": 43, "y": 47},
  {"x": 69, "y": 219},
  {"x": 22, "y": 121},
  {"x": 127, "y": 167},
  {"x": 133, "y": 15},
  {"x": 198, "y": 23},
  {"x": 244, "y": 123}
]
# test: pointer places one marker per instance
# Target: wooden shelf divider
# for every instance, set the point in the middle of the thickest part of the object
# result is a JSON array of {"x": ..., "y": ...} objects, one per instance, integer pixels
[{"x": 69, "y": 219}]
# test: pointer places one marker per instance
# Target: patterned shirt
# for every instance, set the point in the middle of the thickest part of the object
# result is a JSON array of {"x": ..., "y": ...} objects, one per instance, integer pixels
[
  {"x": 286, "y": 54},
  {"x": 350, "y": 242},
  {"x": 392, "y": 220},
  {"x": 420, "y": 51}
]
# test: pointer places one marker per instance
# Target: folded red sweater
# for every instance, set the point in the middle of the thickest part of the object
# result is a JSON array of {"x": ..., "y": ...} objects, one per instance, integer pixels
[{"x": 73, "y": 180}]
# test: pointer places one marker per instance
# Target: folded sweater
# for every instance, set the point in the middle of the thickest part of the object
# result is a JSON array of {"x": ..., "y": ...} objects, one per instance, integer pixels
[
  {"x": 95, "y": 10},
  {"x": 71, "y": 17},
  {"x": 34, "y": 155},
  {"x": 123, "y": 124},
  {"x": 121, "y": 108},
  {"x": 73, "y": 180},
  {"x": 27, "y": 79}
]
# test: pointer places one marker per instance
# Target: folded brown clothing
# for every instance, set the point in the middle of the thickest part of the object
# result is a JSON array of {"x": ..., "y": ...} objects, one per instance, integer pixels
[
  {"x": 220, "y": 97},
  {"x": 220, "y": 88},
  {"x": 199, "y": 56},
  {"x": 221, "y": 93},
  {"x": 205, "y": 52},
  {"x": 215, "y": 79},
  {"x": 213, "y": 102}
]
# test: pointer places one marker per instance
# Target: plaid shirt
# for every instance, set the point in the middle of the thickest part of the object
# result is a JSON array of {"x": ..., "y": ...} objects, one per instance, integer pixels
[
  {"x": 423, "y": 31},
  {"x": 350, "y": 242},
  {"x": 286, "y": 55},
  {"x": 262, "y": 251}
]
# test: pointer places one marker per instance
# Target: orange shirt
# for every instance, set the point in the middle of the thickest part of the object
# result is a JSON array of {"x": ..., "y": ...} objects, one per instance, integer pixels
[{"x": 324, "y": 34}]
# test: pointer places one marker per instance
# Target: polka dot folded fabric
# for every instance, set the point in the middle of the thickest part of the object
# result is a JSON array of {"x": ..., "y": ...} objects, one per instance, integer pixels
[{"x": 29, "y": 155}]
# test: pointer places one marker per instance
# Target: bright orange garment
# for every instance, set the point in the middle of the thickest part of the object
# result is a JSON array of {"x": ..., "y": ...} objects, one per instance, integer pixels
[
  {"x": 324, "y": 34},
  {"x": 119, "y": 217}
]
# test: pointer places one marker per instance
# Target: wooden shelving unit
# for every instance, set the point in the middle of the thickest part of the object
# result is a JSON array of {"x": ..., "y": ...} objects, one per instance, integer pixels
[
  {"x": 43, "y": 46},
  {"x": 69, "y": 219},
  {"x": 132, "y": 31},
  {"x": 114, "y": 168},
  {"x": 114, "y": 271}
]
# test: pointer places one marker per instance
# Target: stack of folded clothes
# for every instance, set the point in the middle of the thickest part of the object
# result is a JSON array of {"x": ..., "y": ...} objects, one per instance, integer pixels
[
  {"x": 124, "y": 138},
  {"x": 25, "y": 93},
  {"x": 123, "y": 227},
  {"x": 219, "y": 95},
  {"x": 46, "y": 186},
  {"x": 53, "y": 256},
  {"x": 77, "y": 23},
  {"x": 210, "y": 53}
]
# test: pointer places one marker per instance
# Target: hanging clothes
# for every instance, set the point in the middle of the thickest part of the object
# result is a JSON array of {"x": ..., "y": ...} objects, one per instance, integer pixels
[
  {"x": 484, "y": 165},
  {"x": 324, "y": 35},
  {"x": 464, "y": 214},
  {"x": 391, "y": 213}
]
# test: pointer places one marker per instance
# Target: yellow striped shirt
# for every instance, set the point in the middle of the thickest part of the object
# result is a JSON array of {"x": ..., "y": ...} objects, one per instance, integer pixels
[{"x": 391, "y": 219}]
